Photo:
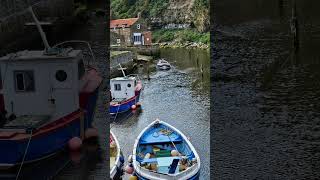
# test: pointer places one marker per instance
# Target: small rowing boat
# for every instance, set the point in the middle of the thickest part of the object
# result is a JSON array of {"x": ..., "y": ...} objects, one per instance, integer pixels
[
  {"x": 163, "y": 152},
  {"x": 163, "y": 64}
]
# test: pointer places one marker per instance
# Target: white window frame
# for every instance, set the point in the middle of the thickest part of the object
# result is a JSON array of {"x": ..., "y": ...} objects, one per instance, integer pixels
[
  {"x": 23, "y": 72},
  {"x": 118, "y": 40},
  {"x": 138, "y": 26}
]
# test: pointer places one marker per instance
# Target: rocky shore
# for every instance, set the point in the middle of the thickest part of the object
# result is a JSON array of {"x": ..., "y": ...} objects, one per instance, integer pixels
[{"x": 188, "y": 45}]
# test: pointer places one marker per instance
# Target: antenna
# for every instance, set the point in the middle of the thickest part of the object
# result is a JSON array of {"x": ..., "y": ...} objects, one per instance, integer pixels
[{"x": 42, "y": 34}]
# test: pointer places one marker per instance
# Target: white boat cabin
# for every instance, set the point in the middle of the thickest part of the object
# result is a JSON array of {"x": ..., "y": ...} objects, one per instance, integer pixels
[
  {"x": 122, "y": 88},
  {"x": 34, "y": 83}
]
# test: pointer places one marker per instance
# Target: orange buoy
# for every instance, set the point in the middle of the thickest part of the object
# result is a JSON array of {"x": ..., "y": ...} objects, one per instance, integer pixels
[
  {"x": 91, "y": 132},
  {"x": 133, "y": 107},
  {"x": 129, "y": 169},
  {"x": 75, "y": 143}
]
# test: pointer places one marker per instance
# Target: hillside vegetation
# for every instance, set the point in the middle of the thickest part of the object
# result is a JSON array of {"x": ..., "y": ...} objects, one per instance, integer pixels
[{"x": 162, "y": 12}]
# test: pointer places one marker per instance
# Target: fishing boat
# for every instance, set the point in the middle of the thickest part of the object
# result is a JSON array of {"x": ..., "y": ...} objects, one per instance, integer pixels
[
  {"x": 47, "y": 97},
  {"x": 163, "y": 64},
  {"x": 125, "y": 93},
  {"x": 163, "y": 152},
  {"x": 116, "y": 158}
]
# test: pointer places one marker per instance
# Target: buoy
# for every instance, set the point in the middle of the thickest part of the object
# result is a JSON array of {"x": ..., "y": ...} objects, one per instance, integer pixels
[
  {"x": 174, "y": 153},
  {"x": 147, "y": 156},
  {"x": 130, "y": 159},
  {"x": 129, "y": 169},
  {"x": 133, "y": 178},
  {"x": 91, "y": 132},
  {"x": 75, "y": 156},
  {"x": 75, "y": 143},
  {"x": 133, "y": 107}
]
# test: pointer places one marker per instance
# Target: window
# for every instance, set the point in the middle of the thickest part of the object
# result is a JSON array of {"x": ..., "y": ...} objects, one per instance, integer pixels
[
  {"x": 138, "y": 26},
  {"x": 61, "y": 75},
  {"x": 81, "y": 69},
  {"x": 117, "y": 87},
  {"x": 118, "y": 41},
  {"x": 129, "y": 85},
  {"x": 24, "y": 81}
]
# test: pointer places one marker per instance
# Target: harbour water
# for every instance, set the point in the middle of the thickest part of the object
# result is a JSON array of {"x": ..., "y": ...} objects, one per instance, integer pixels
[
  {"x": 179, "y": 96},
  {"x": 265, "y": 98}
]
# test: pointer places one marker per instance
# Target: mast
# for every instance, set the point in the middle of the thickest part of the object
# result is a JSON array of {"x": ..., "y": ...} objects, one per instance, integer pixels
[
  {"x": 122, "y": 69},
  {"x": 42, "y": 34}
]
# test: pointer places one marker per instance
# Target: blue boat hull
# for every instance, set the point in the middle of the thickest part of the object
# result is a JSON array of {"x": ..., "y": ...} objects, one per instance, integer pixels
[
  {"x": 125, "y": 106},
  {"x": 46, "y": 144}
]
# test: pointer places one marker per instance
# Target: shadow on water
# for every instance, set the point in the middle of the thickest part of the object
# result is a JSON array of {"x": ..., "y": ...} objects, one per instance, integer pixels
[
  {"x": 179, "y": 96},
  {"x": 266, "y": 105}
]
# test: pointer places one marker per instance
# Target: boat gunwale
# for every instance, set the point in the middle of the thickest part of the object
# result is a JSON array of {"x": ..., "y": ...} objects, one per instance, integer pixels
[{"x": 114, "y": 168}]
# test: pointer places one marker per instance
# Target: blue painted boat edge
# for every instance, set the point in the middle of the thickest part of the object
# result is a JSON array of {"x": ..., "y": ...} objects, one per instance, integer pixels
[
  {"x": 195, "y": 177},
  {"x": 124, "y": 107}
]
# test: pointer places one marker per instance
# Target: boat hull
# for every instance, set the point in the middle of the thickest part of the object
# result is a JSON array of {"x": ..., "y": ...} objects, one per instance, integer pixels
[
  {"x": 47, "y": 140},
  {"x": 125, "y": 106}
]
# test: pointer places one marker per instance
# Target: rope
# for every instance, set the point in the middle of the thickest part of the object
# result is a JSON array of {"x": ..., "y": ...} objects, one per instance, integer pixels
[{"x": 24, "y": 156}]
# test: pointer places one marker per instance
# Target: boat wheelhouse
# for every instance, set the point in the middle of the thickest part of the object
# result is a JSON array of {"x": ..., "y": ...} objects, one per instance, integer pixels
[{"x": 125, "y": 92}]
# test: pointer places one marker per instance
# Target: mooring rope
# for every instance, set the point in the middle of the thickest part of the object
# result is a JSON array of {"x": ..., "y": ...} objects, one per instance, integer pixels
[{"x": 24, "y": 156}]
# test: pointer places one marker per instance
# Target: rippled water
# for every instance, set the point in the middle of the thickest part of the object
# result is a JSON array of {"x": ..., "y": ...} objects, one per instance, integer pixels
[
  {"x": 265, "y": 97},
  {"x": 180, "y": 97}
]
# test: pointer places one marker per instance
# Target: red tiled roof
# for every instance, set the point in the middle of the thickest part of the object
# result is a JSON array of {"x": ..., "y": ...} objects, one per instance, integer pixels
[{"x": 119, "y": 22}]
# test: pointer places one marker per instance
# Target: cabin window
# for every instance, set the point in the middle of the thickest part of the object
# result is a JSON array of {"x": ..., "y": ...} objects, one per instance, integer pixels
[
  {"x": 117, "y": 87},
  {"x": 61, "y": 75},
  {"x": 129, "y": 85},
  {"x": 138, "y": 26},
  {"x": 81, "y": 69},
  {"x": 24, "y": 81}
]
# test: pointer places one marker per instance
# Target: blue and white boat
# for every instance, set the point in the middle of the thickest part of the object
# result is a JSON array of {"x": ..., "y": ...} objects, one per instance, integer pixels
[
  {"x": 125, "y": 92},
  {"x": 116, "y": 158},
  {"x": 163, "y": 152},
  {"x": 47, "y": 97},
  {"x": 163, "y": 65}
]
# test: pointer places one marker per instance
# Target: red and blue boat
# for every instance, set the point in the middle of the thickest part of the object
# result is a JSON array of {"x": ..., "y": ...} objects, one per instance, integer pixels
[
  {"x": 47, "y": 97},
  {"x": 125, "y": 93}
]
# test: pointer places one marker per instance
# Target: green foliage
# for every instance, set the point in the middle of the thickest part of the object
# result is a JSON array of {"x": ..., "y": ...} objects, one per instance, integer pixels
[
  {"x": 131, "y": 8},
  {"x": 187, "y": 35}
]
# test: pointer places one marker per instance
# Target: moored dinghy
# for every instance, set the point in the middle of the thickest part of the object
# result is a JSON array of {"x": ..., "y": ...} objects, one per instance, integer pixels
[
  {"x": 163, "y": 152},
  {"x": 163, "y": 64},
  {"x": 125, "y": 93},
  {"x": 116, "y": 158}
]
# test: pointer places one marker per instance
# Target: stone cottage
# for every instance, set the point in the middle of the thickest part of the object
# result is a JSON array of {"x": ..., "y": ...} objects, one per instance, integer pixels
[{"x": 130, "y": 32}]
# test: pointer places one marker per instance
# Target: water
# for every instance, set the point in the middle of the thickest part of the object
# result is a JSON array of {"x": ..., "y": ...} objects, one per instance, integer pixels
[
  {"x": 180, "y": 97},
  {"x": 265, "y": 97}
]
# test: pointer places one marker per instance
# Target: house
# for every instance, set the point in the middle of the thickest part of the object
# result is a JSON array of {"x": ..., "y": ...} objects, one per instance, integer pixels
[{"x": 129, "y": 32}]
